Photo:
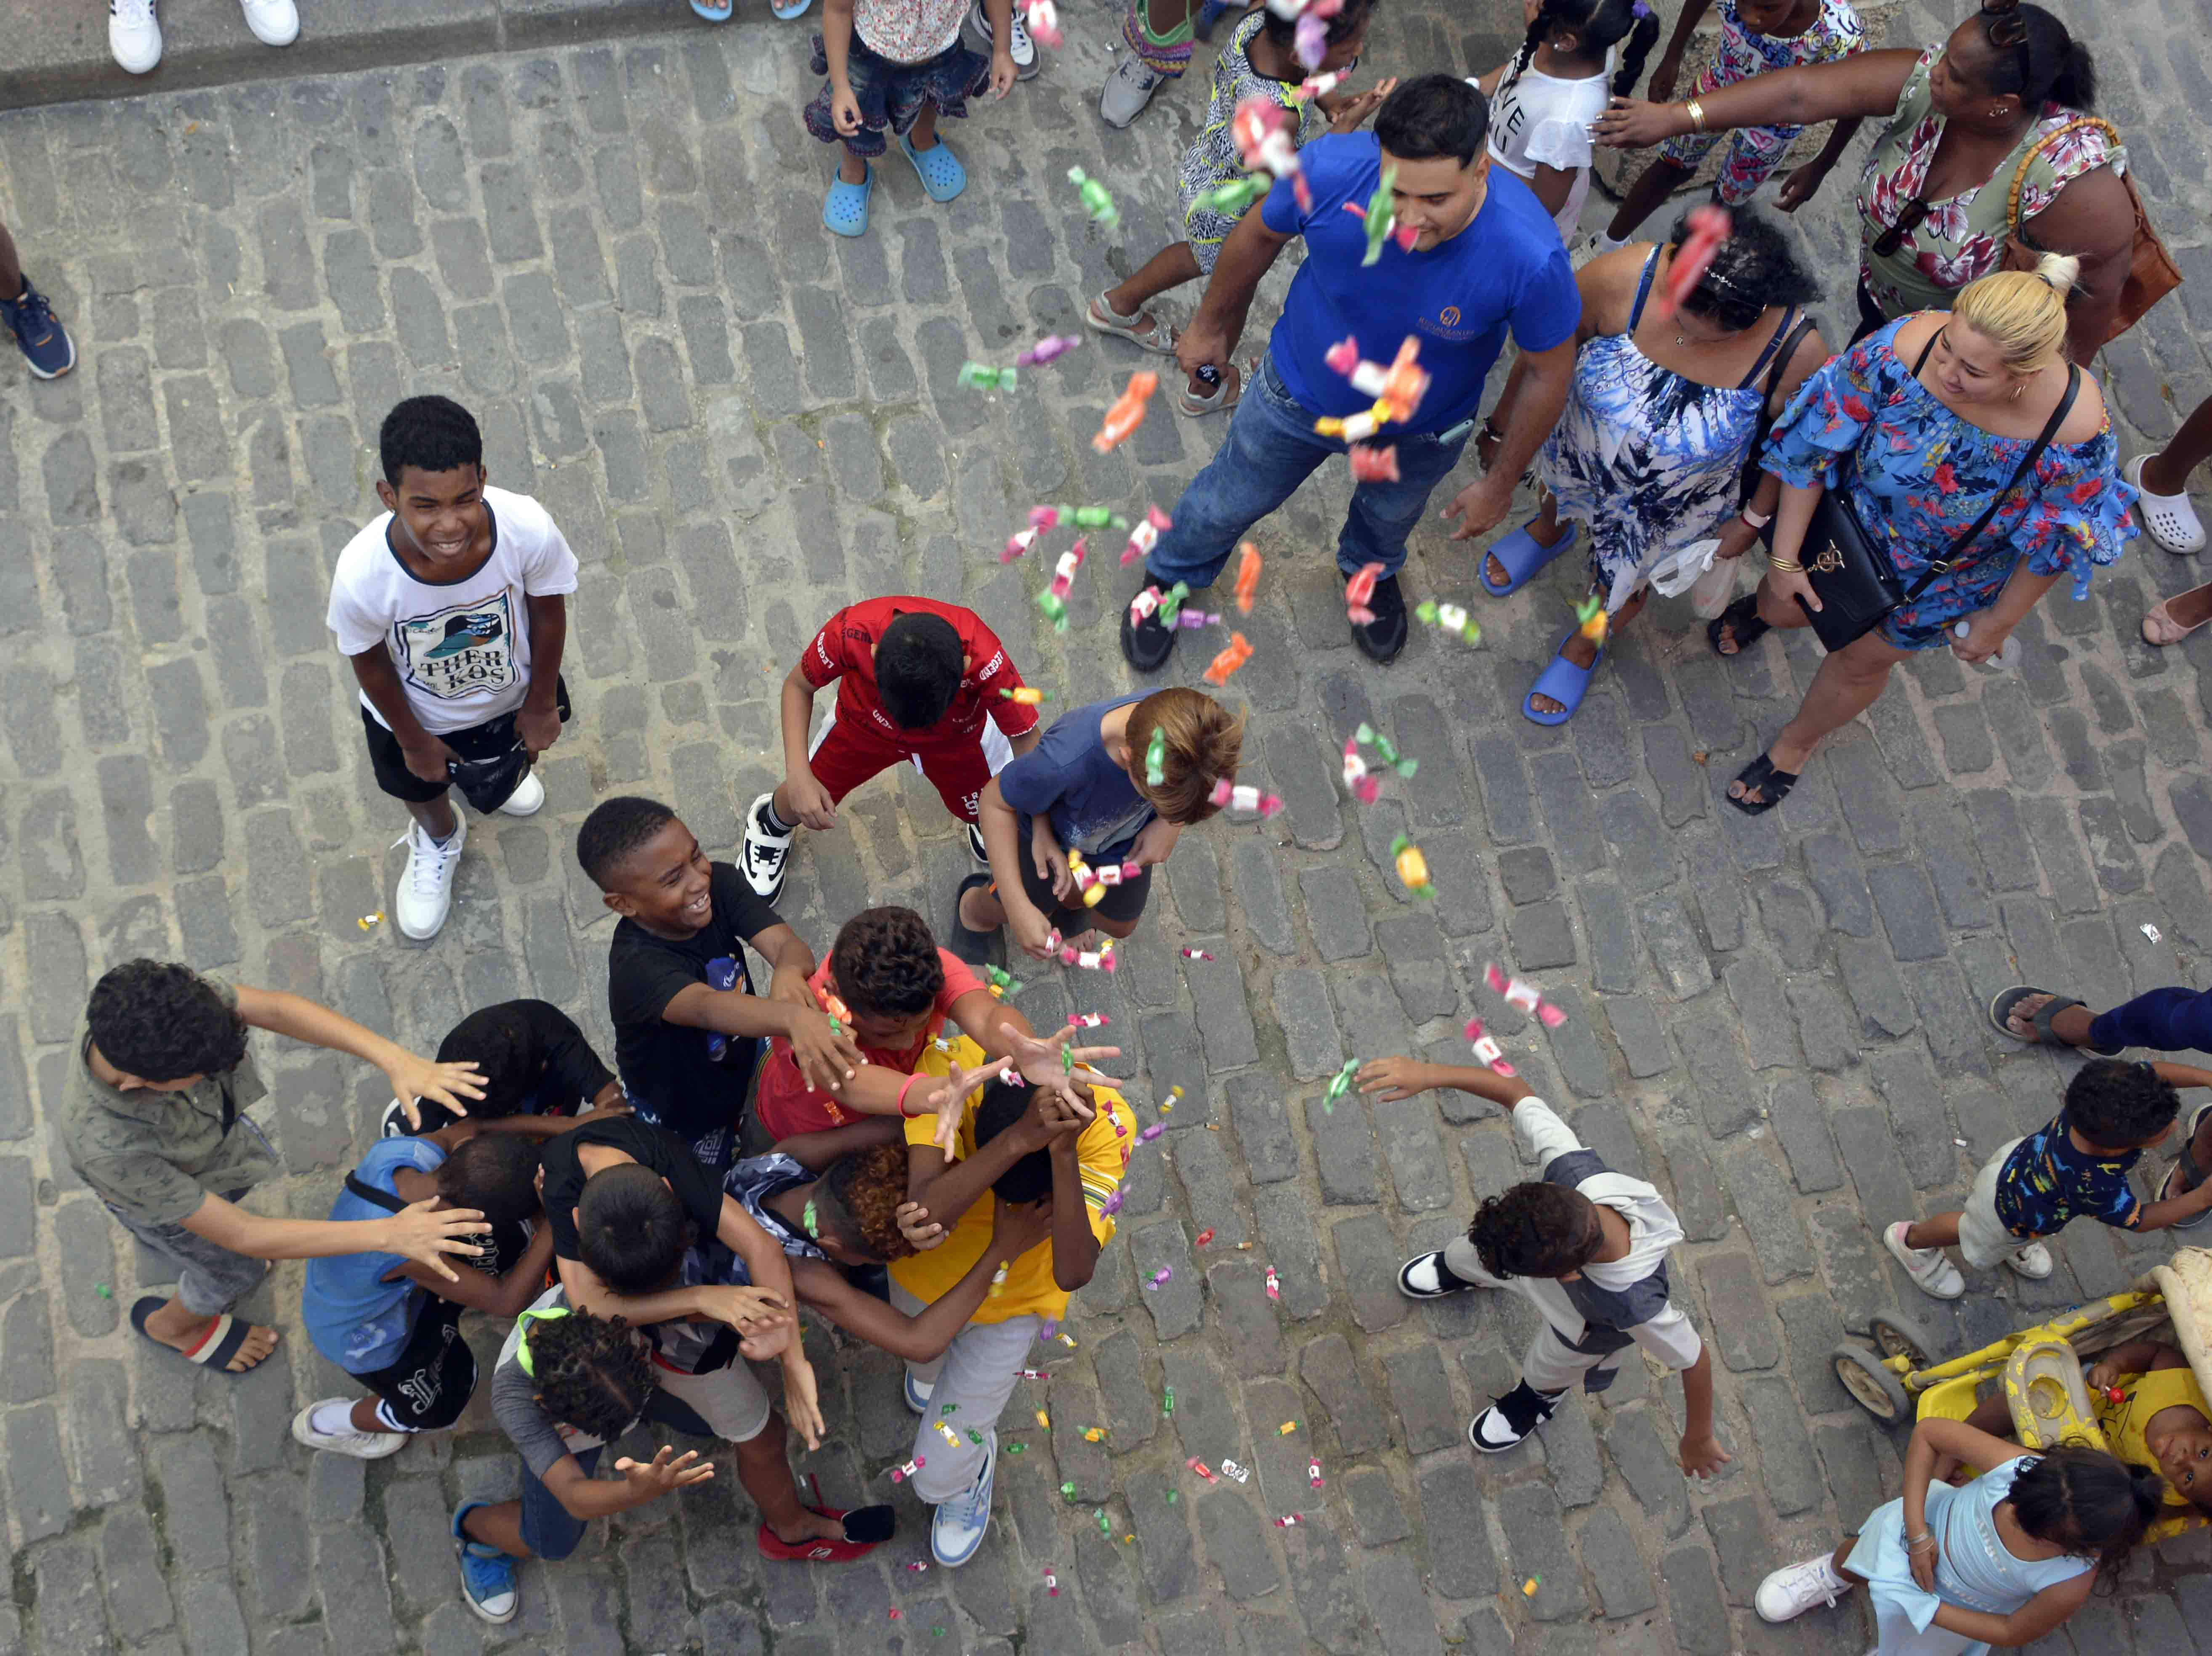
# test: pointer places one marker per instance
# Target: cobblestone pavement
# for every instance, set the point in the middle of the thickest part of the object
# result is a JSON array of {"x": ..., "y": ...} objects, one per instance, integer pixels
[{"x": 615, "y": 256}]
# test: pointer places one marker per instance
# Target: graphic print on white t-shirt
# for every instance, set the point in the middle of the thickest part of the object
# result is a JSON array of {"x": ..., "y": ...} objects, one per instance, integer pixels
[{"x": 463, "y": 649}]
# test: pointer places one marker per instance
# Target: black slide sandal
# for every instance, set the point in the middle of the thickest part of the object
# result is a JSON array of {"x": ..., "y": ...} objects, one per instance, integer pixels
[
  {"x": 2001, "y": 1009},
  {"x": 1760, "y": 773},
  {"x": 968, "y": 944},
  {"x": 1742, "y": 615}
]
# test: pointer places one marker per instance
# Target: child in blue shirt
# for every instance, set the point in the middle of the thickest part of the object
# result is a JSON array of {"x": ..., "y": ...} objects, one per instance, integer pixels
[
  {"x": 1086, "y": 788},
  {"x": 2075, "y": 1167},
  {"x": 394, "y": 1325}
]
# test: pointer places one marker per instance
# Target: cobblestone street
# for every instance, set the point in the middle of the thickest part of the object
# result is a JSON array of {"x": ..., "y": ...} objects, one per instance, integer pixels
[{"x": 614, "y": 255}]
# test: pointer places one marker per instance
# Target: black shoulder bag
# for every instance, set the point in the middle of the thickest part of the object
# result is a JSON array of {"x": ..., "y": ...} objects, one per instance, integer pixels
[{"x": 1852, "y": 574}]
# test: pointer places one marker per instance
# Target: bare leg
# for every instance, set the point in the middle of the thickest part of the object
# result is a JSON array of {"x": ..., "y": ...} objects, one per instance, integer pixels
[
  {"x": 1659, "y": 180},
  {"x": 766, "y": 1475},
  {"x": 1165, "y": 16},
  {"x": 363, "y": 1418},
  {"x": 1582, "y": 653},
  {"x": 2165, "y": 472},
  {"x": 2070, "y": 1026},
  {"x": 498, "y": 1526},
  {"x": 2194, "y": 607},
  {"x": 923, "y": 134},
  {"x": 11, "y": 267},
  {"x": 177, "y": 1327},
  {"x": 1942, "y": 1231},
  {"x": 1846, "y": 686},
  {"x": 1171, "y": 267},
  {"x": 1837, "y": 1560},
  {"x": 436, "y": 817},
  {"x": 980, "y": 909}
]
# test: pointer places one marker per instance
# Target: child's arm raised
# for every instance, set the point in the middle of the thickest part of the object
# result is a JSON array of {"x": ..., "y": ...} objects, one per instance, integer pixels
[
  {"x": 809, "y": 798},
  {"x": 815, "y": 1151},
  {"x": 1402, "y": 1077},
  {"x": 585, "y": 1498},
  {"x": 946, "y": 1192},
  {"x": 827, "y": 1059},
  {"x": 411, "y": 1077},
  {"x": 1074, "y": 1244},
  {"x": 421, "y": 1231},
  {"x": 506, "y": 1297}
]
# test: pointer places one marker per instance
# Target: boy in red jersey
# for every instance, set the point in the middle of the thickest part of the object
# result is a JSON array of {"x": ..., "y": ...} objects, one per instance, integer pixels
[{"x": 917, "y": 680}]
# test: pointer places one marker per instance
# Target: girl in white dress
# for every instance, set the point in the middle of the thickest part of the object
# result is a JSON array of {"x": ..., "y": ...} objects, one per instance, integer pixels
[{"x": 1543, "y": 103}]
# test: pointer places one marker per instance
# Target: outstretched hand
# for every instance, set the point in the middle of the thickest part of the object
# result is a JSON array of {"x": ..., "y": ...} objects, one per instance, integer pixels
[{"x": 666, "y": 1471}]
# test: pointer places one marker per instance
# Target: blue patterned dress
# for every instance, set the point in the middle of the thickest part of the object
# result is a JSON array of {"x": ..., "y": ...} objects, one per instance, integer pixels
[
  {"x": 1924, "y": 475},
  {"x": 1649, "y": 461}
]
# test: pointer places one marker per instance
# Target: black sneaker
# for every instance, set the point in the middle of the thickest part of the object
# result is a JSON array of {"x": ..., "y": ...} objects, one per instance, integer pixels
[
  {"x": 1510, "y": 1419},
  {"x": 1384, "y": 636},
  {"x": 1146, "y": 645},
  {"x": 1425, "y": 1276}
]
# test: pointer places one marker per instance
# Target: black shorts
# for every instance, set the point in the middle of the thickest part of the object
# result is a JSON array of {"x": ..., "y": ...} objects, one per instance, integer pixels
[
  {"x": 435, "y": 1374},
  {"x": 1125, "y": 901},
  {"x": 486, "y": 741}
]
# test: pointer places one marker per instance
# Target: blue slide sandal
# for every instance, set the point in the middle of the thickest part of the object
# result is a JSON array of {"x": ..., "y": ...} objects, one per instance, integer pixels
[
  {"x": 942, "y": 175},
  {"x": 1562, "y": 681},
  {"x": 846, "y": 209},
  {"x": 1522, "y": 557}
]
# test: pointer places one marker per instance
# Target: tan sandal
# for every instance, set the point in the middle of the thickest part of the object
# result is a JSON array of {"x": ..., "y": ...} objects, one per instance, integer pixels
[
  {"x": 2161, "y": 628},
  {"x": 1104, "y": 319},
  {"x": 1226, "y": 395}
]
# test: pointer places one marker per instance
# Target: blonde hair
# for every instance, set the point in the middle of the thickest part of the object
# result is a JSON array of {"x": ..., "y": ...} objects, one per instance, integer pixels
[
  {"x": 1201, "y": 743},
  {"x": 2021, "y": 313}
]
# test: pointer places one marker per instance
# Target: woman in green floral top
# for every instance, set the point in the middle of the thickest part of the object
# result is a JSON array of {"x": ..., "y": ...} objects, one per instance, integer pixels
[{"x": 2010, "y": 86}]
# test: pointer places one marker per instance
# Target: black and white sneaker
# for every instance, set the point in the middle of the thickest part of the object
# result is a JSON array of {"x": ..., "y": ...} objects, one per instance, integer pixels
[
  {"x": 1510, "y": 1419},
  {"x": 766, "y": 852},
  {"x": 1019, "y": 46},
  {"x": 1425, "y": 1276},
  {"x": 975, "y": 845}
]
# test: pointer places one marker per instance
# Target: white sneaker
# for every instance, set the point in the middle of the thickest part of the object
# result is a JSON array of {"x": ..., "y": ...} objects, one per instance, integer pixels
[
  {"x": 274, "y": 22},
  {"x": 1933, "y": 1274},
  {"x": 2032, "y": 1262},
  {"x": 1019, "y": 46},
  {"x": 361, "y": 1445},
  {"x": 1788, "y": 1593},
  {"x": 426, "y": 884},
  {"x": 134, "y": 34},
  {"x": 766, "y": 854},
  {"x": 528, "y": 796},
  {"x": 918, "y": 1393},
  {"x": 1424, "y": 1278},
  {"x": 956, "y": 1529}
]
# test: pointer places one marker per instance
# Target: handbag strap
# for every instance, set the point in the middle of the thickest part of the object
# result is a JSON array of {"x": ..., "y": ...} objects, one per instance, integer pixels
[
  {"x": 2019, "y": 173},
  {"x": 370, "y": 1193},
  {"x": 1950, "y": 557}
]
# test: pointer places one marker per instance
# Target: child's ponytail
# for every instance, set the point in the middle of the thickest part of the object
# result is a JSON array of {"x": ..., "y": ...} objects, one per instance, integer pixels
[
  {"x": 2092, "y": 1503},
  {"x": 1643, "y": 34}
]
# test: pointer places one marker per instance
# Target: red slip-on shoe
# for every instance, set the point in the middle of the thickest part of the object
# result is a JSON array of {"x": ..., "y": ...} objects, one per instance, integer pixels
[{"x": 866, "y": 1528}]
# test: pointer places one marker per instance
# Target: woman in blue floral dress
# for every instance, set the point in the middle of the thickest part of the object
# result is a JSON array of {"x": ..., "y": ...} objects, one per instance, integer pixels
[
  {"x": 1648, "y": 455},
  {"x": 1924, "y": 422}
]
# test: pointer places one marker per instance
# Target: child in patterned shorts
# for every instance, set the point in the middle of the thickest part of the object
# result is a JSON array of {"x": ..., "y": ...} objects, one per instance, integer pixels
[
  {"x": 1257, "y": 63},
  {"x": 1756, "y": 36}
]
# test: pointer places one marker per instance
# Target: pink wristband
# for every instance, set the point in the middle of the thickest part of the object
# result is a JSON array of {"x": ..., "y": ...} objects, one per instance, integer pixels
[{"x": 910, "y": 1080}]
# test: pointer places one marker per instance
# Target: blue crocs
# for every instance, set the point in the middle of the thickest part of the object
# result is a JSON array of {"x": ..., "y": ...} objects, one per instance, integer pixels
[
  {"x": 487, "y": 1574},
  {"x": 1522, "y": 557},
  {"x": 846, "y": 211},
  {"x": 1562, "y": 681},
  {"x": 714, "y": 11},
  {"x": 787, "y": 9},
  {"x": 942, "y": 175}
]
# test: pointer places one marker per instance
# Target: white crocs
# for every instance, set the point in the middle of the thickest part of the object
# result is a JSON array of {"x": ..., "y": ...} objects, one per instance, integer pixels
[{"x": 2170, "y": 519}]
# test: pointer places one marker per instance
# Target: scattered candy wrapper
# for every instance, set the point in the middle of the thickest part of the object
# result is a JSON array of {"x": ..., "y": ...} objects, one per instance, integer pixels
[
  {"x": 1239, "y": 796},
  {"x": 1233, "y": 655},
  {"x": 908, "y": 1468},
  {"x": 1204, "y": 1237},
  {"x": 1051, "y": 1583},
  {"x": 370, "y": 922},
  {"x": 1127, "y": 412},
  {"x": 918, "y": 1565},
  {"x": 2149, "y": 930},
  {"x": 1162, "y": 1276},
  {"x": 1289, "y": 1521},
  {"x": 1519, "y": 991},
  {"x": 1487, "y": 1049},
  {"x": 1047, "y": 350},
  {"x": 1248, "y": 576},
  {"x": 1242, "y": 1474},
  {"x": 1359, "y": 591},
  {"x": 1286, "y": 1428},
  {"x": 948, "y": 1434},
  {"x": 1194, "y": 953},
  {"x": 1202, "y": 1469},
  {"x": 1528, "y": 1588},
  {"x": 1094, "y": 1435},
  {"x": 1275, "y": 1284},
  {"x": 1413, "y": 867},
  {"x": 1095, "y": 200},
  {"x": 1313, "y": 1472}
]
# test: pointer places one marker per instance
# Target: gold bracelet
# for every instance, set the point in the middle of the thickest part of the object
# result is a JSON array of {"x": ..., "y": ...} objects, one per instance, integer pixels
[
  {"x": 1696, "y": 112},
  {"x": 1783, "y": 566}
]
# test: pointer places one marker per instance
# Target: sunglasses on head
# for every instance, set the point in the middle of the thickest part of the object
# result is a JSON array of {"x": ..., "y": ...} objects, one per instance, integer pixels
[{"x": 2002, "y": 22}]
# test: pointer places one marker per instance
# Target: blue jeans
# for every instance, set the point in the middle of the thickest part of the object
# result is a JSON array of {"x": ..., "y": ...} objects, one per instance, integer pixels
[
  {"x": 1272, "y": 449},
  {"x": 2164, "y": 1020},
  {"x": 550, "y": 1529}
]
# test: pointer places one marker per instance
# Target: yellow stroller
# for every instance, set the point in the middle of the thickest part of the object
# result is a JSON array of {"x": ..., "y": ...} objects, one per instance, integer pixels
[{"x": 2039, "y": 1368}]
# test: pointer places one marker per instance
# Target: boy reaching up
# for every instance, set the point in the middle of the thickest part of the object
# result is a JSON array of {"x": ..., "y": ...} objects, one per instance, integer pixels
[
  {"x": 451, "y": 607},
  {"x": 689, "y": 1029},
  {"x": 917, "y": 680},
  {"x": 1584, "y": 1245}
]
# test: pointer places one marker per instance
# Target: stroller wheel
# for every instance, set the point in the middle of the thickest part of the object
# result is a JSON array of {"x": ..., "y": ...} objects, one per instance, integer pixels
[
  {"x": 1872, "y": 1387},
  {"x": 1900, "y": 1334}
]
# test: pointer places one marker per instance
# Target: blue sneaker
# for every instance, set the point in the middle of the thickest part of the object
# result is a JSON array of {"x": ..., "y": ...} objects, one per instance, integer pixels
[
  {"x": 487, "y": 1574},
  {"x": 917, "y": 1394},
  {"x": 957, "y": 1528},
  {"x": 45, "y": 343}
]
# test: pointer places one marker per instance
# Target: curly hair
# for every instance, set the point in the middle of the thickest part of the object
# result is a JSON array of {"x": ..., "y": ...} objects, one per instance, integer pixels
[
  {"x": 2093, "y": 1504},
  {"x": 1755, "y": 268},
  {"x": 886, "y": 961},
  {"x": 1536, "y": 1229},
  {"x": 431, "y": 433},
  {"x": 857, "y": 1201},
  {"x": 918, "y": 669},
  {"x": 591, "y": 1372},
  {"x": 497, "y": 1174},
  {"x": 1203, "y": 742},
  {"x": 614, "y": 831},
  {"x": 2115, "y": 1103},
  {"x": 631, "y": 1229},
  {"x": 160, "y": 1022},
  {"x": 499, "y": 1041}
]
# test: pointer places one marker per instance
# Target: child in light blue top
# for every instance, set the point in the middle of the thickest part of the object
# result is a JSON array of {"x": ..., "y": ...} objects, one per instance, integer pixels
[{"x": 2002, "y": 1560}]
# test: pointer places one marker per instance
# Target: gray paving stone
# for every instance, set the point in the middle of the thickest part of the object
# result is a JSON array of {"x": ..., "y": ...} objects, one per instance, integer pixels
[
  {"x": 1536, "y": 1543},
  {"x": 1693, "y": 1597},
  {"x": 1346, "y": 1388},
  {"x": 1403, "y": 1620},
  {"x": 1746, "y": 1334},
  {"x": 1608, "y": 1553}
]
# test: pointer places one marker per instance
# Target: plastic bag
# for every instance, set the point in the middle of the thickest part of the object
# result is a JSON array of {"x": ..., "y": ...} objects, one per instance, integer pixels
[
  {"x": 1715, "y": 588},
  {"x": 1673, "y": 574}
]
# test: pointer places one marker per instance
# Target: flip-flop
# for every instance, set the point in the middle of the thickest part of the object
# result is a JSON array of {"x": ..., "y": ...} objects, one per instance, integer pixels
[
  {"x": 1102, "y": 318},
  {"x": 1522, "y": 558},
  {"x": 713, "y": 12},
  {"x": 942, "y": 175},
  {"x": 2001, "y": 1009},
  {"x": 866, "y": 1529},
  {"x": 787, "y": 9},
  {"x": 846, "y": 209},
  {"x": 1761, "y": 774},
  {"x": 217, "y": 1346},
  {"x": 1743, "y": 616},
  {"x": 1562, "y": 681}
]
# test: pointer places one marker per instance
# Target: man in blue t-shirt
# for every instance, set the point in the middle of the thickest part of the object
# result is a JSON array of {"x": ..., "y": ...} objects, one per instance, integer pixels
[{"x": 1487, "y": 260}]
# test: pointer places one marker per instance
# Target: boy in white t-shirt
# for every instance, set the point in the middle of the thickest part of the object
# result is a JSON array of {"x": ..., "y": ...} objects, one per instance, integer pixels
[
  {"x": 452, "y": 608},
  {"x": 1543, "y": 101}
]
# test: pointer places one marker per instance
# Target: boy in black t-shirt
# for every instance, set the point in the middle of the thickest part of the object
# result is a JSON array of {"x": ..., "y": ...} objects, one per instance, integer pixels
[
  {"x": 539, "y": 1073},
  {"x": 689, "y": 1030}
]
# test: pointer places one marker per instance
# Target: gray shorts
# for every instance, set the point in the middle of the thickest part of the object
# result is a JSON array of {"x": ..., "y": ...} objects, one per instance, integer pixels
[
  {"x": 211, "y": 1278},
  {"x": 1983, "y": 1240}
]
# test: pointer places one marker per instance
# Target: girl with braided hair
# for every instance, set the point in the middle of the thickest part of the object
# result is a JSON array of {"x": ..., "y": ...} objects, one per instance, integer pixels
[{"x": 1543, "y": 101}]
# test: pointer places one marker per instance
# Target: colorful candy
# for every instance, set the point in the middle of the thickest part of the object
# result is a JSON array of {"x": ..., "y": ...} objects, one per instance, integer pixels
[
  {"x": 1048, "y": 349},
  {"x": 980, "y": 376},
  {"x": 1397, "y": 389},
  {"x": 1051, "y": 1583},
  {"x": 1231, "y": 1469},
  {"x": 1289, "y": 1521},
  {"x": 1319, "y": 86},
  {"x": 1365, "y": 787},
  {"x": 1025, "y": 696},
  {"x": 1203, "y": 1237},
  {"x": 1167, "y": 1408},
  {"x": 1202, "y": 1469},
  {"x": 1590, "y": 612},
  {"x": 1151, "y": 1133},
  {"x": 1274, "y": 1285},
  {"x": 1194, "y": 953},
  {"x": 1031, "y": 1374},
  {"x": 1248, "y": 576},
  {"x": 1264, "y": 140},
  {"x": 1096, "y": 200},
  {"x": 1127, "y": 412},
  {"x": 1235, "y": 654},
  {"x": 1002, "y": 982},
  {"x": 1016, "y": 543},
  {"x": 1044, "y": 1420},
  {"x": 1381, "y": 214},
  {"x": 1044, "y": 22},
  {"x": 908, "y": 1468},
  {"x": 1452, "y": 617},
  {"x": 1518, "y": 992},
  {"x": 1054, "y": 599},
  {"x": 1413, "y": 867},
  {"x": 1087, "y": 1020},
  {"x": 1234, "y": 199},
  {"x": 1313, "y": 1472},
  {"x": 1487, "y": 1049},
  {"x": 1145, "y": 536},
  {"x": 1338, "y": 1084},
  {"x": 1709, "y": 228},
  {"x": 1156, "y": 753},
  {"x": 1359, "y": 592},
  {"x": 1370, "y": 465},
  {"x": 1094, "y": 1435},
  {"x": 1240, "y": 795},
  {"x": 1286, "y": 1428},
  {"x": 946, "y": 1432},
  {"x": 1366, "y": 736}
]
